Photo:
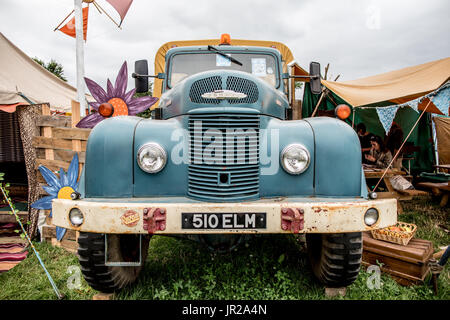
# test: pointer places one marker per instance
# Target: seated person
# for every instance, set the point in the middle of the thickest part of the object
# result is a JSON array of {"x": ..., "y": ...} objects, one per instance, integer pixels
[
  {"x": 379, "y": 155},
  {"x": 364, "y": 138},
  {"x": 393, "y": 142}
]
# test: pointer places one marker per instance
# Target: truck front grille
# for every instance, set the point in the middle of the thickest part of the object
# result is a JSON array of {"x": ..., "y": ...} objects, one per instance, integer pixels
[
  {"x": 224, "y": 156},
  {"x": 236, "y": 84}
]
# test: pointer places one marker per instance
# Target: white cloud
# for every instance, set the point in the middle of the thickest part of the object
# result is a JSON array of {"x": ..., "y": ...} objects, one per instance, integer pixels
[{"x": 335, "y": 32}]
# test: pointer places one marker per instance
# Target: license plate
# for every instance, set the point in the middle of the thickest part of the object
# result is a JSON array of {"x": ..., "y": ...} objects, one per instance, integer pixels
[{"x": 207, "y": 221}]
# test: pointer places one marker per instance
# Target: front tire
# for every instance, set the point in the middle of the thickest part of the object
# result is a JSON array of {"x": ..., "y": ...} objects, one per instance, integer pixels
[
  {"x": 335, "y": 258},
  {"x": 91, "y": 255}
]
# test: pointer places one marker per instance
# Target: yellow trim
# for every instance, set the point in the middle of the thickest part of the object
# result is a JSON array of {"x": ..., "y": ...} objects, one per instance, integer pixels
[{"x": 160, "y": 57}]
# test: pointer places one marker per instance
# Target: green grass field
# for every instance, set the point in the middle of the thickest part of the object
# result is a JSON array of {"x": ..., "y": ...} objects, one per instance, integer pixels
[{"x": 267, "y": 267}]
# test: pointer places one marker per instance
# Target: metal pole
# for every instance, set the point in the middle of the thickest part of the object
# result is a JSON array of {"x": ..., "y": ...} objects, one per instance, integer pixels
[
  {"x": 80, "y": 56},
  {"x": 400, "y": 149}
]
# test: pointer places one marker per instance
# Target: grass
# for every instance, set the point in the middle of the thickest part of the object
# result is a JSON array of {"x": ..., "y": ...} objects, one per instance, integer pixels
[{"x": 265, "y": 267}]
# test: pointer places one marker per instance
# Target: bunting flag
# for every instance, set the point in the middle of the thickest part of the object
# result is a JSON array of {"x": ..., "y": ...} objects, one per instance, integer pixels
[
  {"x": 442, "y": 100},
  {"x": 121, "y": 7},
  {"x": 414, "y": 104},
  {"x": 386, "y": 116},
  {"x": 69, "y": 27}
]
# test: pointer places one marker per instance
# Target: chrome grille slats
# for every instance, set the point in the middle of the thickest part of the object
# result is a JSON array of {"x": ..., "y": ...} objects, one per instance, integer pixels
[{"x": 241, "y": 170}]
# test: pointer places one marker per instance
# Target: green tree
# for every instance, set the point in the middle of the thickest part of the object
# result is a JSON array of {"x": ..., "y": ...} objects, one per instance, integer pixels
[{"x": 53, "y": 66}]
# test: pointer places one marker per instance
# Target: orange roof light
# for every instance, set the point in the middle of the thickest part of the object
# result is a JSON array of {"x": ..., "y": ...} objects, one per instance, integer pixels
[
  {"x": 225, "y": 39},
  {"x": 343, "y": 111}
]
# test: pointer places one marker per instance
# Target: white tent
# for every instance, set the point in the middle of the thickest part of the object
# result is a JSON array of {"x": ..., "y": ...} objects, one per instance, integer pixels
[{"x": 23, "y": 81}]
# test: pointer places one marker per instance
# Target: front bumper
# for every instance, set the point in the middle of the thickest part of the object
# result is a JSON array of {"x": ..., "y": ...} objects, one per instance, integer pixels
[{"x": 130, "y": 216}]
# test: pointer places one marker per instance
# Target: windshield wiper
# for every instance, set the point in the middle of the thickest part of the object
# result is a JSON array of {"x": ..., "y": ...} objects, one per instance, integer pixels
[{"x": 211, "y": 48}]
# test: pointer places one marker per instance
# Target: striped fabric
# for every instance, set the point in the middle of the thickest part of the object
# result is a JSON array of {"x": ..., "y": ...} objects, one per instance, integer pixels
[
  {"x": 11, "y": 149},
  {"x": 12, "y": 252}
]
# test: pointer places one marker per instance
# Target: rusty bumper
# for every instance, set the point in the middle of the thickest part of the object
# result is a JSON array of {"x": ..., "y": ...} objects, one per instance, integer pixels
[{"x": 284, "y": 215}]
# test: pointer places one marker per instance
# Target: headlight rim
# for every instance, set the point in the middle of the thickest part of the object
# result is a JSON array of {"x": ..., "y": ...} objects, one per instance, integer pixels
[
  {"x": 366, "y": 217},
  {"x": 70, "y": 219},
  {"x": 295, "y": 145},
  {"x": 160, "y": 148}
]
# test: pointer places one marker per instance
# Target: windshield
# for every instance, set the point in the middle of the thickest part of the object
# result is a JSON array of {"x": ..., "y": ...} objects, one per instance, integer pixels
[{"x": 260, "y": 65}]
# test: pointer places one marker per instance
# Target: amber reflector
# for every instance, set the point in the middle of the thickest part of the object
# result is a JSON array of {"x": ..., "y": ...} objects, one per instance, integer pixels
[
  {"x": 106, "y": 109},
  {"x": 343, "y": 111},
  {"x": 225, "y": 38}
]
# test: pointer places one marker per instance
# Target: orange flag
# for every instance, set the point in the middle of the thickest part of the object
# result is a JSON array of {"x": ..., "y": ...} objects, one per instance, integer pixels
[{"x": 69, "y": 27}]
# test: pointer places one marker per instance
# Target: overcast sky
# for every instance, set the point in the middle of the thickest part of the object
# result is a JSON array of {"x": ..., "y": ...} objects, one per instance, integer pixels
[{"x": 357, "y": 37}]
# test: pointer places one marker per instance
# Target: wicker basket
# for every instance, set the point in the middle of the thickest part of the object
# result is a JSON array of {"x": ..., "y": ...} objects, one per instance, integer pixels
[{"x": 399, "y": 237}]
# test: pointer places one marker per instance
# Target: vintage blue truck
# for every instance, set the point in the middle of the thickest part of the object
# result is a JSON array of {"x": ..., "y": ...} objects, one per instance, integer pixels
[{"x": 220, "y": 160}]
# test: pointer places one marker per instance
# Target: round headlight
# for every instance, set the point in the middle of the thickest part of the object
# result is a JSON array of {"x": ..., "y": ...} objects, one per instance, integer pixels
[
  {"x": 151, "y": 157},
  {"x": 371, "y": 216},
  {"x": 295, "y": 158},
  {"x": 76, "y": 217}
]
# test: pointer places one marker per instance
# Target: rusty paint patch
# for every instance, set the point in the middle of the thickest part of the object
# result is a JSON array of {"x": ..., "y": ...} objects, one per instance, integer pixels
[
  {"x": 130, "y": 218},
  {"x": 319, "y": 209}
]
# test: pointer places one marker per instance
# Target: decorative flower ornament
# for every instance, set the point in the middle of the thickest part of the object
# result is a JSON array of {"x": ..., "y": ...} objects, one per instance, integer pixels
[
  {"x": 60, "y": 188},
  {"x": 114, "y": 102}
]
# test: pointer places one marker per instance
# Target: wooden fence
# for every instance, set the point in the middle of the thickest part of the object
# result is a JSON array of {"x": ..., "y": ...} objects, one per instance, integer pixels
[{"x": 55, "y": 147}]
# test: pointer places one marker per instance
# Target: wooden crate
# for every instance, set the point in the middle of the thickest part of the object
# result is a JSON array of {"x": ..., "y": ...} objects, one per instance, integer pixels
[{"x": 407, "y": 264}]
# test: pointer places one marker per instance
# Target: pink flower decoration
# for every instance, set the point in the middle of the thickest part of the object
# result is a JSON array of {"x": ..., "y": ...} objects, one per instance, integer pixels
[{"x": 122, "y": 101}]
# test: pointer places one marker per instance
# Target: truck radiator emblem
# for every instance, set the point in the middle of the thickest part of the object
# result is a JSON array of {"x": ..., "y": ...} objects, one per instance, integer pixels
[{"x": 224, "y": 94}]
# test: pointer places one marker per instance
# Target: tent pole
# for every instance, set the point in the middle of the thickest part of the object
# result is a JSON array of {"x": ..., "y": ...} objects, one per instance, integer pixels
[
  {"x": 433, "y": 139},
  {"x": 400, "y": 149},
  {"x": 353, "y": 118},
  {"x": 318, "y": 103},
  {"x": 80, "y": 56}
]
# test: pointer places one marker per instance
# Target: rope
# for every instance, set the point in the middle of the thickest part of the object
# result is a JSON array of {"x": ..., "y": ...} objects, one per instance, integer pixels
[{"x": 55, "y": 288}]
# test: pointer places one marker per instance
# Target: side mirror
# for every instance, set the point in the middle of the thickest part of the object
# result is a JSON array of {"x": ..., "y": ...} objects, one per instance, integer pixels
[
  {"x": 141, "y": 83},
  {"x": 314, "y": 83}
]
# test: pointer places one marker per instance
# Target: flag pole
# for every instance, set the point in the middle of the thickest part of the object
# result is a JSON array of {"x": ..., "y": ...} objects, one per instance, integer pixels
[{"x": 80, "y": 56}]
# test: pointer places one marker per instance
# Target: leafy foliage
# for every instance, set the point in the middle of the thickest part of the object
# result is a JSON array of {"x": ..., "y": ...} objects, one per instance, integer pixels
[
  {"x": 53, "y": 66},
  {"x": 146, "y": 113}
]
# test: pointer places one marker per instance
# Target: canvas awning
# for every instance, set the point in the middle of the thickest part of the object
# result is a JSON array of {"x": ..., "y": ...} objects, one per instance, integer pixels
[
  {"x": 394, "y": 87},
  {"x": 23, "y": 81},
  {"x": 160, "y": 56}
]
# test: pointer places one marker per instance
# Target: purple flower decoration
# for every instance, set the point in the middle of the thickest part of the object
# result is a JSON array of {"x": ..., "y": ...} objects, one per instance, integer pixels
[{"x": 122, "y": 102}]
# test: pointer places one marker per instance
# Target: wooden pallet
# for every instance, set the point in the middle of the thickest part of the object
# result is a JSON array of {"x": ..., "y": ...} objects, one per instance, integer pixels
[
  {"x": 55, "y": 148},
  {"x": 407, "y": 264}
]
